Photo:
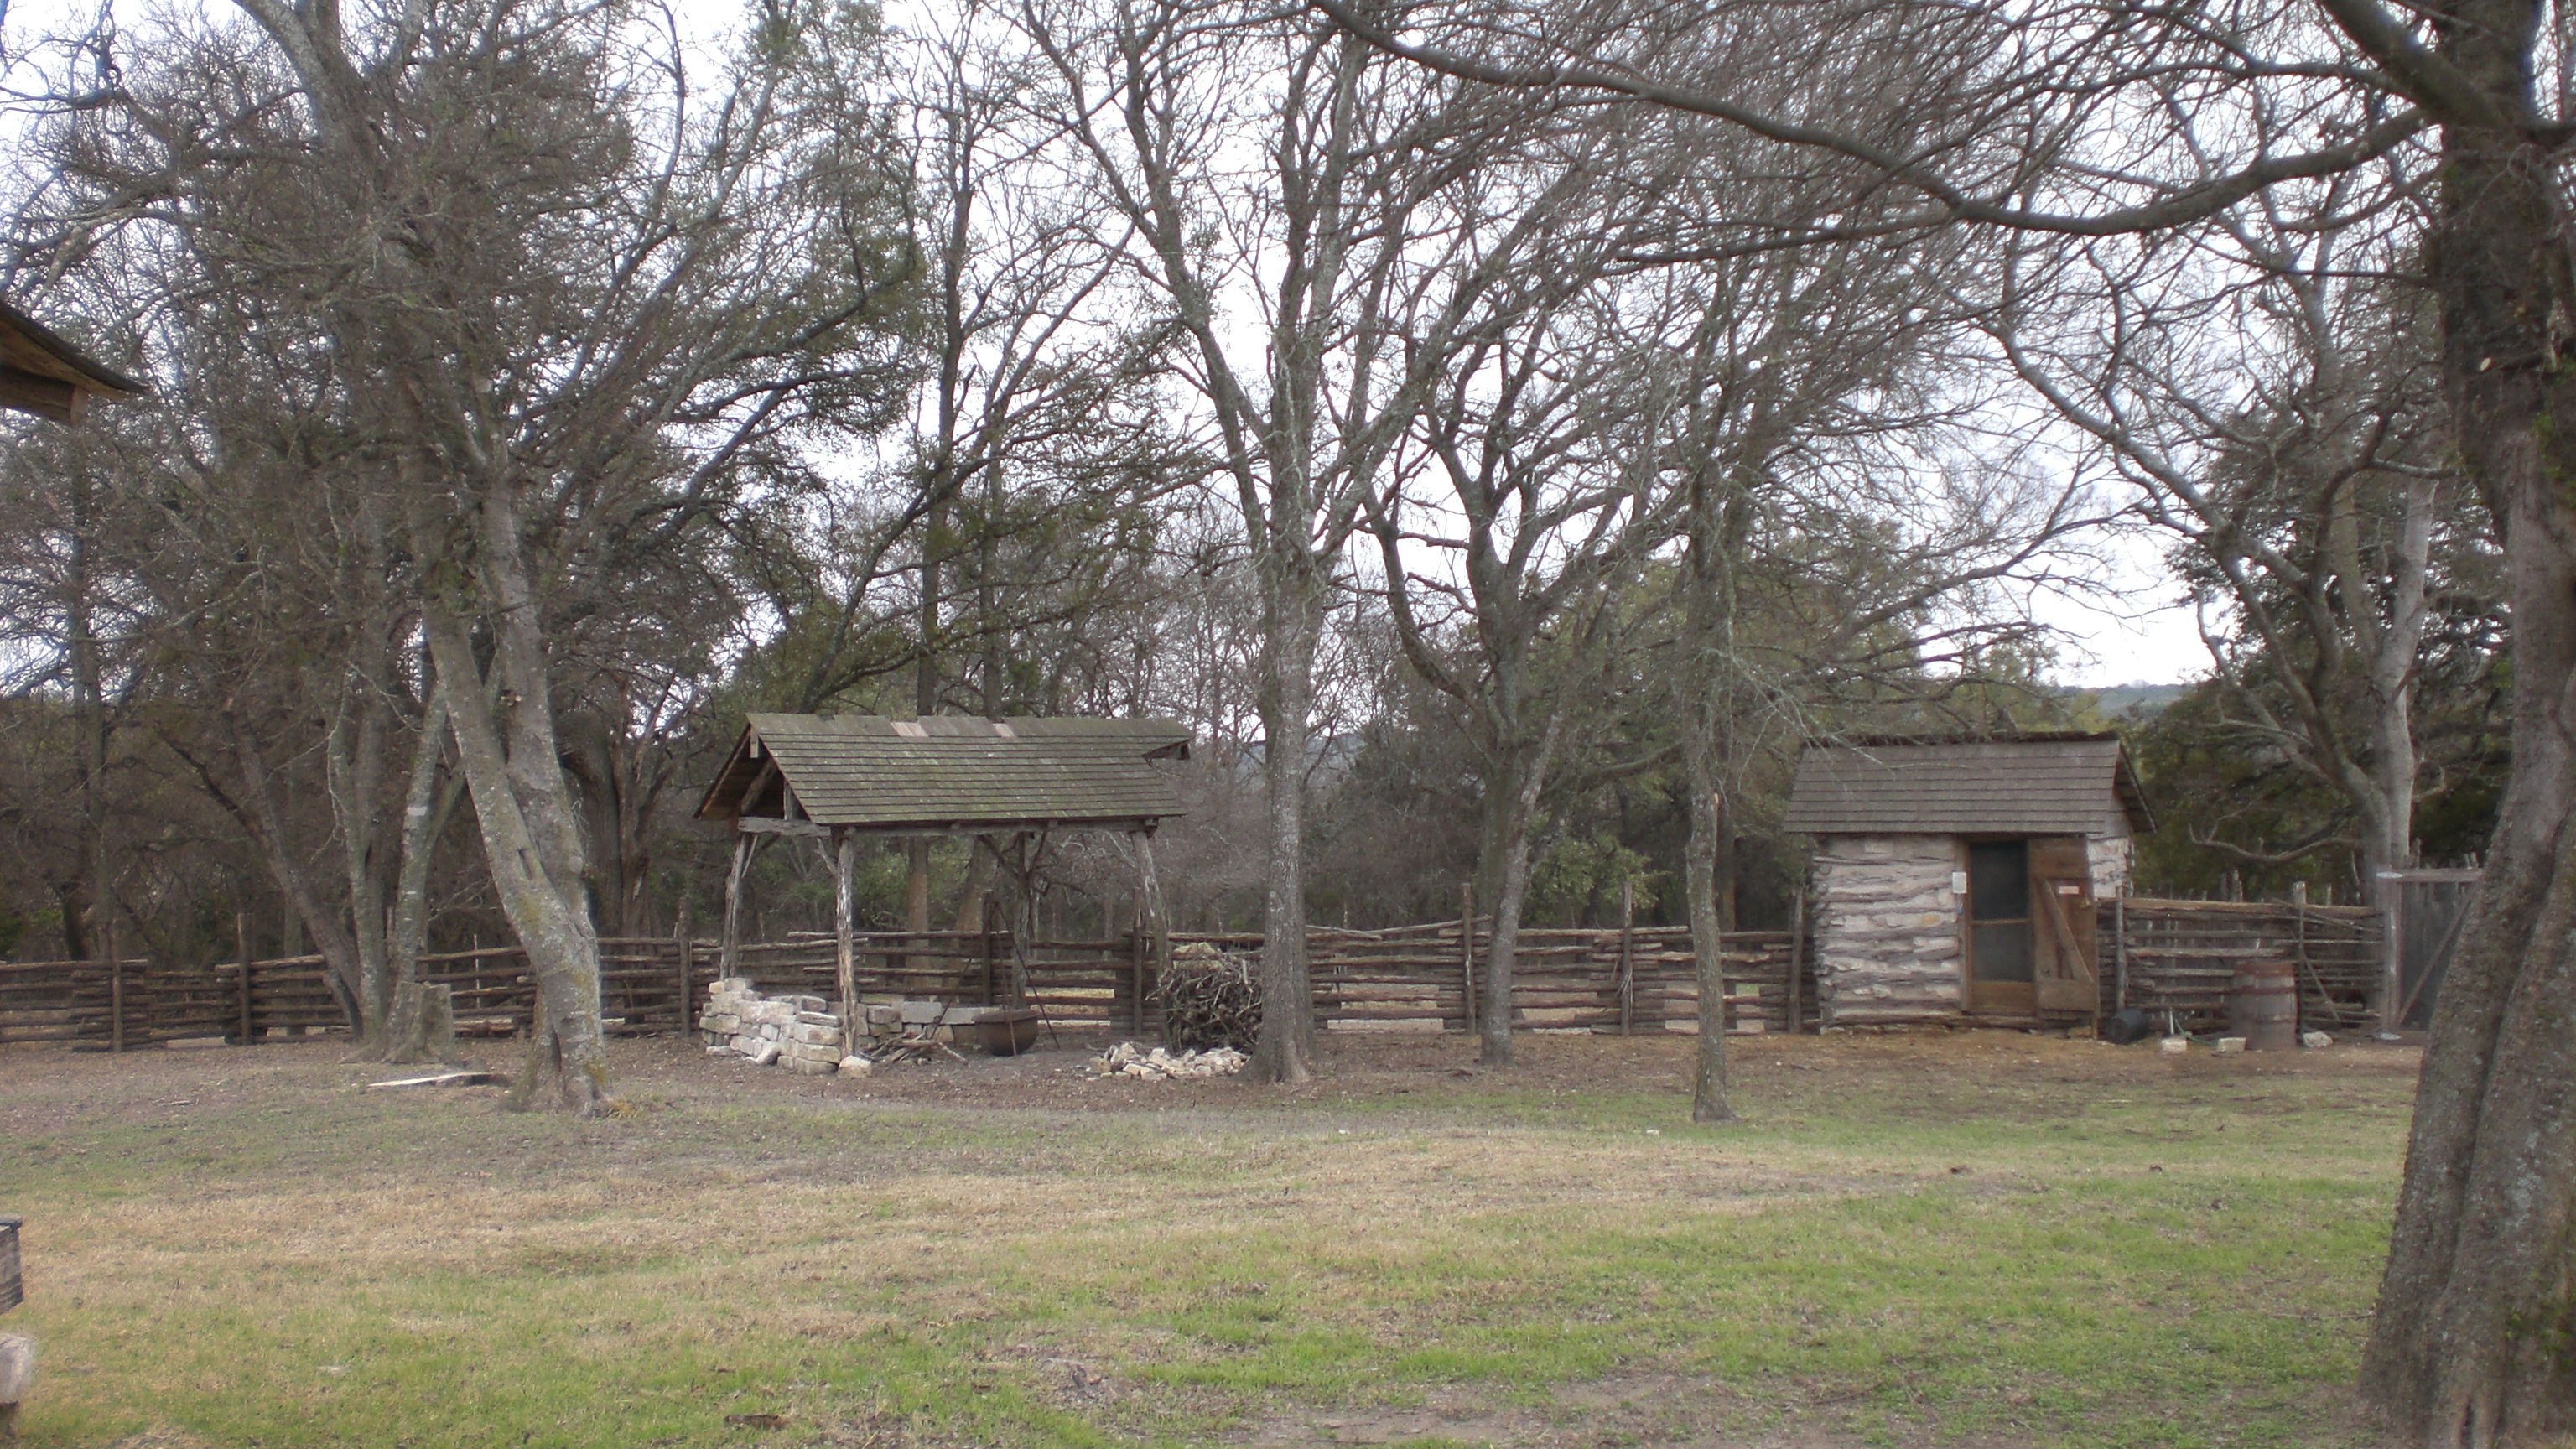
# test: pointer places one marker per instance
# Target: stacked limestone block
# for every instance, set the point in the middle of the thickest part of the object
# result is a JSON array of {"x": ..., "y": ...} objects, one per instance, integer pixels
[
  {"x": 1888, "y": 947},
  {"x": 794, "y": 1031},
  {"x": 886, "y": 1020}
]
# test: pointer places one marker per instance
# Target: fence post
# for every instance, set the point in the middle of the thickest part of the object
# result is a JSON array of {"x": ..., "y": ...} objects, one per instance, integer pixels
[
  {"x": 1797, "y": 950},
  {"x": 688, "y": 963},
  {"x": 2392, "y": 920},
  {"x": 1467, "y": 949},
  {"x": 241, "y": 943},
  {"x": 1136, "y": 968},
  {"x": 1627, "y": 955},
  {"x": 115, "y": 994},
  {"x": 2120, "y": 952}
]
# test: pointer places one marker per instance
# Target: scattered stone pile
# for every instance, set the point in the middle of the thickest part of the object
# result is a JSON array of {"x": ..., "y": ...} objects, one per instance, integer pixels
[
  {"x": 1210, "y": 999},
  {"x": 1129, "y": 1060},
  {"x": 799, "y": 1033},
  {"x": 792, "y": 1030}
]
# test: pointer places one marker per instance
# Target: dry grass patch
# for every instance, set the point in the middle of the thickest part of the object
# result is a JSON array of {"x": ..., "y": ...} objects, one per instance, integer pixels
[{"x": 1991, "y": 1239}]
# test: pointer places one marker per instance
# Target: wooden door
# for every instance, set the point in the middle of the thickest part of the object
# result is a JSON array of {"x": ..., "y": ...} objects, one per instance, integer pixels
[
  {"x": 2000, "y": 938},
  {"x": 2061, "y": 886}
]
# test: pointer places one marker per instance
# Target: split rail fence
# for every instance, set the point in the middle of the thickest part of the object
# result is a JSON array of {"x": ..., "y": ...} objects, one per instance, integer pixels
[
  {"x": 1405, "y": 979},
  {"x": 2162, "y": 956}
]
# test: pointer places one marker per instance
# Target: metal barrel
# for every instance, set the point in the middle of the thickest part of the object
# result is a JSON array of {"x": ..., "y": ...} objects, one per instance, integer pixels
[{"x": 2263, "y": 1006}]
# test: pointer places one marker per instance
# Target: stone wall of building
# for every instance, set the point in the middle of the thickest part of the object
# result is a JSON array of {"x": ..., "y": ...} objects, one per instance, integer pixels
[
  {"x": 1887, "y": 933},
  {"x": 2108, "y": 856}
]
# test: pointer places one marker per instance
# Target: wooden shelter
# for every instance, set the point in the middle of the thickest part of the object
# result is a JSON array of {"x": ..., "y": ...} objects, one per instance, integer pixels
[
  {"x": 44, "y": 375},
  {"x": 1957, "y": 877},
  {"x": 835, "y": 778}
]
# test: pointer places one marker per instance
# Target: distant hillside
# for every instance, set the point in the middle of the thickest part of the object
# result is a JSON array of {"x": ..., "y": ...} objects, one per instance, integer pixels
[{"x": 2144, "y": 699}]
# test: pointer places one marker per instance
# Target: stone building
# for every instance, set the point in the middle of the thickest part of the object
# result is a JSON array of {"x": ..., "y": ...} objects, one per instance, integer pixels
[{"x": 1956, "y": 879}]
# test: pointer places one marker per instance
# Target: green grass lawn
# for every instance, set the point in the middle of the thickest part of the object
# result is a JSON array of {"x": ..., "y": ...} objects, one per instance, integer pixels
[{"x": 1976, "y": 1239}]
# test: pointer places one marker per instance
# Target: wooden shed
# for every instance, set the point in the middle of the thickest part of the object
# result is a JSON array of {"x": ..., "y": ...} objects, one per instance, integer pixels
[
  {"x": 1956, "y": 878},
  {"x": 836, "y": 778}
]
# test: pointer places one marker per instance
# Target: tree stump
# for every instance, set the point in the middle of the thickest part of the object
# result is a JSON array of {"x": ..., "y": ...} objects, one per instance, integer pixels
[
  {"x": 17, "y": 1370},
  {"x": 421, "y": 1027}
]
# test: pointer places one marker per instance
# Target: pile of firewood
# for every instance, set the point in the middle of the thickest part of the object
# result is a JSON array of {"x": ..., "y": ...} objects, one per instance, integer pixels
[{"x": 1210, "y": 999}]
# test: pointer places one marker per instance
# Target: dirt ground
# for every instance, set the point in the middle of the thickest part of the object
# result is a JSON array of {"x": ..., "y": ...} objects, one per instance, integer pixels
[
  {"x": 1061, "y": 1075},
  {"x": 45, "y": 1089}
]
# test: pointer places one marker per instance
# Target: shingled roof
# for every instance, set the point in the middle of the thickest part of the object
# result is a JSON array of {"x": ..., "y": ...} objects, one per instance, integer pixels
[
  {"x": 43, "y": 374},
  {"x": 2054, "y": 784},
  {"x": 949, "y": 772}
]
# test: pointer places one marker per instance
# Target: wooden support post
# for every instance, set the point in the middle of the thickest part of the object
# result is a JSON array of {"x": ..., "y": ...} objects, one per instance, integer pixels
[
  {"x": 688, "y": 961},
  {"x": 845, "y": 852},
  {"x": 1627, "y": 955},
  {"x": 241, "y": 944},
  {"x": 986, "y": 946},
  {"x": 1467, "y": 950},
  {"x": 2299, "y": 938},
  {"x": 1797, "y": 954},
  {"x": 2120, "y": 952},
  {"x": 1155, "y": 922},
  {"x": 115, "y": 994},
  {"x": 1136, "y": 937},
  {"x": 729, "y": 947}
]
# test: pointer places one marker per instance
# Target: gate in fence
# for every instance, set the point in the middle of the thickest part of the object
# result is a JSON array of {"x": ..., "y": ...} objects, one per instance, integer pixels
[{"x": 2426, "y": 909}]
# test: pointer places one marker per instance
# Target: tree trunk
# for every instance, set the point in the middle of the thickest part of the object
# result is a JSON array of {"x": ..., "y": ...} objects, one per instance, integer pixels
[
  {"x": 979, "y": 886},
  {"x": 1716, "y": 534},
  {"x": 563, "y": 954},
  {"x": 2478, "y": 1304},
  {"x": 427, "y": 802},
  {"x": 1708, "y": 934},
  {"x": 256, "y": 809},
  {"x": 590, "y": 750},
  {"x": 420, "y": 1024},
  {"x": 1511, "y": 892},
  {"x": 1511, "y": 808},
  {"x": 353, "y": 773},
  {"x": 75, "y": 912},
  {"x": 1285, "y": 1051},
  {"x": 89, "y": 721}
]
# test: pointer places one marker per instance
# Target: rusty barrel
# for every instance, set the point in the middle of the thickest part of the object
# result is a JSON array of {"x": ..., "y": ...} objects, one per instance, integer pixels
[{"x": 2263, "y": 1006}]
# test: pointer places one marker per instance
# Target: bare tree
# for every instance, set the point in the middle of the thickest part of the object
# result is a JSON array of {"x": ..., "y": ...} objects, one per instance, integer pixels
[
  {"x": 2107, "y": 123},
  {"x": 1282, "y": 288},
  {"x": 571, "y": 314},
  {"x": 1510, "y": 531},
  {"x": 2276, "y": 406}
]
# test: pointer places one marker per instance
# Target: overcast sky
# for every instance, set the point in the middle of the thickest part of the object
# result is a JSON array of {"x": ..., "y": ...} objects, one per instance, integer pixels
[{"x": 2143, "y": 635}]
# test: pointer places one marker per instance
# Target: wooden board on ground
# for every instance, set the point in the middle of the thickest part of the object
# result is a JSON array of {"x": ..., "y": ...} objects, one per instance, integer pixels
[{"x": 441, "y": 1079}]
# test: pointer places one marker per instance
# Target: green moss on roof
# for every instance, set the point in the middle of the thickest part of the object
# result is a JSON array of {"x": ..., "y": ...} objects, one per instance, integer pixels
[{"x": 950, "y": 771}]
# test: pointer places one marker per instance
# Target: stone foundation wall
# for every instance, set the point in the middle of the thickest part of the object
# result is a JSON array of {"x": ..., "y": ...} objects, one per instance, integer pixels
[{"x": 1887, "y": 934}]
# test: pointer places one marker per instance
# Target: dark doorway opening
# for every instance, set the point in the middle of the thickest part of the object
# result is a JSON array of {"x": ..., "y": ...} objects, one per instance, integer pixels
[{"x": 2000, "y": 976}]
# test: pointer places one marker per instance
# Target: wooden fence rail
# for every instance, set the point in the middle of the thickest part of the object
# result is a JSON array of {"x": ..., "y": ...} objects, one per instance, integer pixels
[
  {"x": 1407, "y": 979},
  {"x": 2163, "y": 956},
  {"x": 2178, "y": 956}
]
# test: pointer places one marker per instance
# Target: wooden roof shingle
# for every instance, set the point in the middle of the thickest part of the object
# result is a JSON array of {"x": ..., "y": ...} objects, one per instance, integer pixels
[
  {"x": 42, "y": 373},
  {"x": 2014, "y": 785},
  {"x": 949, "y": 772}
]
